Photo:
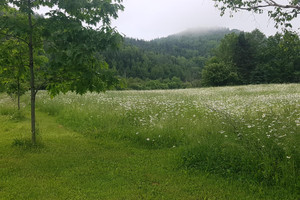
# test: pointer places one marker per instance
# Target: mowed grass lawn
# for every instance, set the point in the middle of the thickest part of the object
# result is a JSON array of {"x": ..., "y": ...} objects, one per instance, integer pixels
[{"x": 211, "y": 143}]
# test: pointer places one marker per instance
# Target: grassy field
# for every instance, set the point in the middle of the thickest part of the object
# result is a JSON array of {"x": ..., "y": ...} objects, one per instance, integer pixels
[{"x": 211, "y": 143}]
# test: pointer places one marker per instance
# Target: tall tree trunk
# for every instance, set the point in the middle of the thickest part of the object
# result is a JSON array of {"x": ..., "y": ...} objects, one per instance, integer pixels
[
  {"x": 32, "y": 87},
  {"x": 18, "y": 92}
]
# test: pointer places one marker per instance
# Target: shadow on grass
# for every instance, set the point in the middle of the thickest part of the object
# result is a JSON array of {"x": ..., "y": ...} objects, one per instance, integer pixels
[{"x": 27, "y": 145}]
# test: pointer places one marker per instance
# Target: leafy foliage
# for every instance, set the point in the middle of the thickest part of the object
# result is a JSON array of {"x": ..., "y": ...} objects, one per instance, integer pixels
[
  {"x": 282, "y": 12},
  {"x": 252, "y": 58},
  {"x": 67, "y": 38},
  {"x": 219, "y": 74},
  {"x": 13, "y": 72}
]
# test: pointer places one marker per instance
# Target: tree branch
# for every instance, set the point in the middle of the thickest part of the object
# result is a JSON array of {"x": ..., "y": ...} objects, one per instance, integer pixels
[
  {"x": 270, "y": 3},
  {"x": 275, "y": 4},
  {"x": 39, "y": 87}
]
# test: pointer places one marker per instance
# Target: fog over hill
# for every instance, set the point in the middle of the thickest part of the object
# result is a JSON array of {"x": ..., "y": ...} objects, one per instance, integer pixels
[
  {"x": 200, "y": 31},
  {"x": 150, "y": 19},
  {"x": 189, "y": 43}
]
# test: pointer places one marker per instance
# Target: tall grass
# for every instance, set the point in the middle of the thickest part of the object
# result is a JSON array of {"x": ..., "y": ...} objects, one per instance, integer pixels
[
  {"x": 8, "y": 107},
  {"x": 249, "y": 132}
]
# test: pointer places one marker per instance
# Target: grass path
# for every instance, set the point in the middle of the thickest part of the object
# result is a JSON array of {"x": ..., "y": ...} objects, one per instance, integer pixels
[{"x": 70, "y": 165}]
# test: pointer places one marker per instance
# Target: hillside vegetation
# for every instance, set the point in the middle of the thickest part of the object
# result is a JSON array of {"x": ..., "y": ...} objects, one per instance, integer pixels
[
  {"x": 153, "y": 64},
  {"x": 208, "y": 57},
  {"x": 213, "y": 143}
]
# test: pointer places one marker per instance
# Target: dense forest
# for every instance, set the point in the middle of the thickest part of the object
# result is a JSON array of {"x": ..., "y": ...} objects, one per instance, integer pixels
[{"x": 210, "y": 57}]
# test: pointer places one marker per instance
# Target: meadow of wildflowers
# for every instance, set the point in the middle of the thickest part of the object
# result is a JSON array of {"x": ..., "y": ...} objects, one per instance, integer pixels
[
  {"x": 170, "y": 142},
  {"x": 250, "y": 132}
]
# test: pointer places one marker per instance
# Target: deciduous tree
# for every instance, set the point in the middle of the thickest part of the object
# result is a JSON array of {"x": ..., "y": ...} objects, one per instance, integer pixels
[
  {"x": 69, "y": 35},
  {"x": 13, "y": 72}
]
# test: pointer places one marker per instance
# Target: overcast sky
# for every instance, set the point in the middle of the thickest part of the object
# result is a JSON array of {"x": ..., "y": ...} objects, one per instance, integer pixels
[{"x": 149, "y": 19}]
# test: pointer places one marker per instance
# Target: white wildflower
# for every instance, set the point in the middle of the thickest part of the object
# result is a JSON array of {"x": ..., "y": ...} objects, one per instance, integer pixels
[{"x": 281, "y": 136}]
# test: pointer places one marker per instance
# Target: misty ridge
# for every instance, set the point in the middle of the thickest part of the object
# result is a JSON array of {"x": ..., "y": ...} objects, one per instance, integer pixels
[
  {"x": 214, "y": 56},
  {"x": 201, "y": 31}
]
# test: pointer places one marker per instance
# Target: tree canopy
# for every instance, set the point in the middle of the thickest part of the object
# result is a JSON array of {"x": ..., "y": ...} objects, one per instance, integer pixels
[{"x": 70, "y": 36}]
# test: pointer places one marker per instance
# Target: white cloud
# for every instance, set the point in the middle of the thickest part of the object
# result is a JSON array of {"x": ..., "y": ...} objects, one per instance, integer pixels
[{"x": 149, "y": 19}]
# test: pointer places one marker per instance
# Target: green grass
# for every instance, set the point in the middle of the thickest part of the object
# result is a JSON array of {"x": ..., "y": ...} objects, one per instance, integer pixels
[{"x": 213, "y": 143}]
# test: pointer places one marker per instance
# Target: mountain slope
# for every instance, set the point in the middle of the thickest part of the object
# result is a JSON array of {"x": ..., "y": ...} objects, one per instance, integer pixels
[{"x": 181, "y": 56}]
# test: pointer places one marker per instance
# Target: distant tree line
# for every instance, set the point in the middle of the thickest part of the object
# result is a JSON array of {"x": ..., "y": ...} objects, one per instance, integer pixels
[
  {"x": 213, "y": 58},
  {"x": 252, "y": 58}
]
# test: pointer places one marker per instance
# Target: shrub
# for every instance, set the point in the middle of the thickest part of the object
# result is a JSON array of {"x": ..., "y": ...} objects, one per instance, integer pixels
[{"x": 219, "y": 74}]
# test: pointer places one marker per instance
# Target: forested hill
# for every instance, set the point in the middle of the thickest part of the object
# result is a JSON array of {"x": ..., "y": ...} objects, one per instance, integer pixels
[
  {"x": 212, "y": 57},
  {"x": 171, "y": 61},
  {"x": 190, "y": 43}
]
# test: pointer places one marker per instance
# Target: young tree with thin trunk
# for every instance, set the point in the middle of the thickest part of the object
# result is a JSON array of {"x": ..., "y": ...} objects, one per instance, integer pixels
[
  {"x": 71, "y": 40},
  {"x": 12, "y": 68}
]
